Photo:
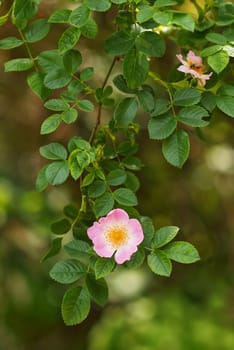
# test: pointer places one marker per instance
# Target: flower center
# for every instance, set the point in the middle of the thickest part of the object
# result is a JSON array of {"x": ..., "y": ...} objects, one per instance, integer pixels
[
  {"x": 117, "y": 236},
  {"x": 199, "y": 68}
]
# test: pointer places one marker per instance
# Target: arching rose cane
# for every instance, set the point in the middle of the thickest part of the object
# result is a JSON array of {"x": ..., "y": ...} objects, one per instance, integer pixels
[{"x": 116, "y": 234}]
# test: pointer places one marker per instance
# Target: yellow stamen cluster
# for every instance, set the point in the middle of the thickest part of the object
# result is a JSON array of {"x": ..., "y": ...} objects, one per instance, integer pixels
[{"x": 117, "y": 236}]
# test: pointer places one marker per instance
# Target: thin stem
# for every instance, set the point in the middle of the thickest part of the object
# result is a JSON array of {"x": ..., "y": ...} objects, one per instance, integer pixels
[
  {"x": 27, "y": 48},
  {"x": 109, "y": 72},
  {"x": 99, "y": 113},
  {"x": 166, "y": 86}
]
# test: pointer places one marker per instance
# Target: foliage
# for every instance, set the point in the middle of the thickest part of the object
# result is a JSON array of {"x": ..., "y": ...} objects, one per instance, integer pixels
[{"x": 106, "y": 162}]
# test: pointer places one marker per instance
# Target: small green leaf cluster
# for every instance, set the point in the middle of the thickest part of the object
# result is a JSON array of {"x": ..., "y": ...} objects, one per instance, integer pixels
[
  {"x": 88, "y": 271},
  {"x": 105, "y": 164}
]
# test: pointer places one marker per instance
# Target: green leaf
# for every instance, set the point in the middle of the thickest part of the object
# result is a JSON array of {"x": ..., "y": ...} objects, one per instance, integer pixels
[
  {"x": 132, "y": 163},
  {"x": 164, "y": 3},
  {"x": 72, "y": 60},
  {"x": 54, "y": 249},
  {"x": 75, "y": 87},
  {"x": 229, "y": 49},
  {"x": 70, "y": 211},
  {"x": 75, "y": 305},
  {"x": 226, "y": 90},
  {"x": 10, "y": 43},
  {"x": 208, "y": 100},
  {"x": 127, "y": 148},
  {"x": 103, "y": 204},
  {"x": 88, "y": 179},
  {"x": 145, "y": 13},
  {"x": 210, "y": 50},
  {"x": 132, "y": 182},
  {"x": 57, "y": 79},
  {"x": 97, "y": 5},
  {"x": 37, "y": 30},
  {"x": 182, "y": 252},
  {"x": 184, "y": 21},
  {"x": 148, "y": 229},
  {"x": 50, "y": 60},
  {"x": 186, "y": 97},
  {"x": 77, "y": 142},
  {"x": 50, "y": 124},
  {"x": 126, "y": 197},
  {"x": 61, "y": 227},
  {"x": 126, "y": 111},
  {"x": 151, "y": 44},
  {"x": 119, "y": 43},
  {"x": 36, "y": 82},
  {"x": 67, "y": 271},
  {"x": 18, "y": 64},
  {"x": 23, "y": 10},
  {"x": 116, "y": 177},
  {"x": 161, "y": 106},
  {"x": 164, "y": 235},
  {"x": 96, "y": 189},
  {"x": 98, "y": 289},
  {"x": 163, "y": 17},
  {"x": 60, "y": 16},
  {"x": 119, "y": 1},
  {"x": 69, "y": 39},
  {"x": 218, "y": 61},
  {"x": 135, "y": 68},
  {"x": 70, "y": 115},
  {"x": 57, "y": 172},
  {"x": 54, "y": 151},
  {"x": 77, "y": 249},
  {"x": 121, "y": 84},
  {"x": 216, "y": 38},
  {"x": 4, "y": 18},
  {"x": 78, "y": 160},
  {"x": 226, "y": 105},
  {"x": 161, "y": 127},
  {"x": 103, "y": 267},
  {"x": 79, "y": 16},
  {"x": 85, "y": 105},
  {"x": 136, "y": 260},
  {"x": 146, "y": 99},
  {"x": 41, "y": 180},
  {"x": 176, "y": 148},
  {"x": 90, "y": 29},
  {"x": 87, "y": 74},
  {"x": 193, "y": 116},
  {"x": 56, "y": 104},
  {"x": 159, "y": 263}
]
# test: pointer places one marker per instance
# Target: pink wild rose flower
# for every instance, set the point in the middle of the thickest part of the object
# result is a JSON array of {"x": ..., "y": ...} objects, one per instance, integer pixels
[
  {"x": 193, "y": 65},
  {"x": 116, "y": 234}
]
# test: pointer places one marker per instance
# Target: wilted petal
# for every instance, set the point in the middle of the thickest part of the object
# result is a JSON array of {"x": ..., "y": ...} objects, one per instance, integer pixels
[
  {"x": 191, "y": 57},
  {"x": 180, "y": 58},
  {"x": 184, "y": 69}
]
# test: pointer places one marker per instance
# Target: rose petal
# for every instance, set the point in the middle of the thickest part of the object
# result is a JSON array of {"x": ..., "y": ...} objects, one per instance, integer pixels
[
  {"x": 124, "y": 254},
  {"x": 118, "y": 216},
  {"x": 136, "y": 235},
  {"x": 184, "y": 69},
  {"x": 94, "y": 230},
  {"x": 180, "y": 58},
  {"x": 197, "y": 60},
  {"x": 105, "y": 251}
]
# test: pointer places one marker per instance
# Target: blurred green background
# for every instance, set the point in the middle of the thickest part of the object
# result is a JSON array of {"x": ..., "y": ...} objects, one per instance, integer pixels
[{"x": 194, "y": 309}]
